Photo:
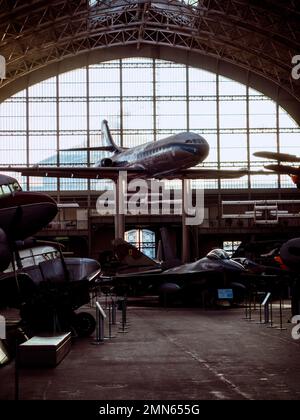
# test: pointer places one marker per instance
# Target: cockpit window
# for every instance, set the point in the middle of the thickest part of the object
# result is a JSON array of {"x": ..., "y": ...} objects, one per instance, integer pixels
[
  {"x": 8, "y": 189},
  {"x": 5, "y": 190},
  {"x": 193, "y": 141},
  {"x": 218, "y": 254},
  {"x": 15, "y": 187},
  {"x": 33, "y": 256}
]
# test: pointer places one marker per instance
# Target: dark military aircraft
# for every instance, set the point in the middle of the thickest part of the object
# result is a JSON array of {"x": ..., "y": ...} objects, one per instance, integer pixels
[
  {"x": 290, "y": 255},
  {"x": 199, "y": 281}
]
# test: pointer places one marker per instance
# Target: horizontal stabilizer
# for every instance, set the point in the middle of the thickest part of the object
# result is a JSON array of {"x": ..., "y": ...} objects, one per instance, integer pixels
[
  {"x": 108, "y": 143},
  {"x": 90, "y": 149}
]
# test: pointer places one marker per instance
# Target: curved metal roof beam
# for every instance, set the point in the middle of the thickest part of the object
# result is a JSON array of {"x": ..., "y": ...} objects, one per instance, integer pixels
[{"x": 258, "y": 38}]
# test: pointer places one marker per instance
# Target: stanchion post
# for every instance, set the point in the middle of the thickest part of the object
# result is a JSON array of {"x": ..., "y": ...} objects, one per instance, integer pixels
[
  {"x": 261, "y": 301},
  {"x": 124, "y": 317},
  {"x": 267, "y": 314},
  {"x": 114, "y": 313},
  {"x": 246, "y": 307},
  {"x": 17, "y": 373},
  {"x": 265, "y": 304},
  {"x": 280, "y": 313},
  {"x": 271, "y": 311},
  {"x": 250, "y": 308},
  {"x": 109, "y": 320},
  {"x": 260, "y": 317},
  {"x": 100, "y": 317},
  {"x": 271, "y": 314},
  {"x": 280, "y": 316}
]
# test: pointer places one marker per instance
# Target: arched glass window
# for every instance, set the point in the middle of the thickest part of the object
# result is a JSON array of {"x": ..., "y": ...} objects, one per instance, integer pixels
[
  {"x": 143, "y": 239},
  {"x": 143, "y": 100}
]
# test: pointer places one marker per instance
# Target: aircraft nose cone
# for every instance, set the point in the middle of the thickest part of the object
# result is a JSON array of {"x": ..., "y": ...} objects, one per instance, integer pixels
[
  {"x": 290, "y": 254},
  {"x": 27, "y": 214},
  {"x": 198, "y": 146},
  {"x": 203, "y": 149}
]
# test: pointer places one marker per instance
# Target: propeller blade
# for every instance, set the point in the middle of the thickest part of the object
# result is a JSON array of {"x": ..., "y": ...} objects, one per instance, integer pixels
[
  {"x": 284, "y": 170},
  {"x": 281, "y": 157}
]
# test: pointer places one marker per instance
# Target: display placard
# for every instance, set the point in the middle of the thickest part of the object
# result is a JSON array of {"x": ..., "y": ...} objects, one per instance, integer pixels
[{"x": 225, "y": 294}]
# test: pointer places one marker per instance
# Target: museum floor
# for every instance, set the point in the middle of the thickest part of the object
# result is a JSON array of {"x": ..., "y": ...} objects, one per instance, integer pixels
[{"x": 172, "y": 354}]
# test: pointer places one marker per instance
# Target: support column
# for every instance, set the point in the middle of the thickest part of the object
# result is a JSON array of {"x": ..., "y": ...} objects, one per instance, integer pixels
[
  {"x": 185, "y": 229},
  {"x": 119, "y": 216}
]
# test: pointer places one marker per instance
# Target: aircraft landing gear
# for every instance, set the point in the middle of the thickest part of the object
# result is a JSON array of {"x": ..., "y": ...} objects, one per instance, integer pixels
[{"x": 84, "y": 324}]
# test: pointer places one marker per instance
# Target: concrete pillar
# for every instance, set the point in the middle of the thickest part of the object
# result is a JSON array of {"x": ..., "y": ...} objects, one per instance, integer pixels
[
  {"x": 120, "y": 216},
  {"x": 185, "y": 229}
]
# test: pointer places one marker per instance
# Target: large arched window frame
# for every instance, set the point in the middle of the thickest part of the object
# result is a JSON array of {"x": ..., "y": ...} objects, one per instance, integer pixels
[{"x": 143, "y": 100}]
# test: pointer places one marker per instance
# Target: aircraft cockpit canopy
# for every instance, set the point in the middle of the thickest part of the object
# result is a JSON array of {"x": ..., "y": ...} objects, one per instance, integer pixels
[
  {"x": 8, "y": 186},
  {"x": 218, "y": 254}
]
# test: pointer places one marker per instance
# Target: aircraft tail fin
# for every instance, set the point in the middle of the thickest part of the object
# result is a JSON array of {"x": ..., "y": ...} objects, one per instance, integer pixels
[
  {"x": 169, "y": 251},
  {"x": 107, "y": 139},
  {"x": 108, "y": 144},
  {"x": 133, "y": 258}
]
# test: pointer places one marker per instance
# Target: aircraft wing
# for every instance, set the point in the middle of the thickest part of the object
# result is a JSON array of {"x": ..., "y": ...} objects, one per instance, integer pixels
[
  {"x": 284, "y": 169},
  {"x": 113, "y": 172},
  {"x": 72, "y": 172},
  {"x": 203, "y": 173}
]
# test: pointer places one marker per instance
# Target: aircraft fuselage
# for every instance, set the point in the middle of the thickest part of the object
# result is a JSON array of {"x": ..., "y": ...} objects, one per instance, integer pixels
[
  {"x": 166, "y": 156},
  {"x": 23, "y": 214}
]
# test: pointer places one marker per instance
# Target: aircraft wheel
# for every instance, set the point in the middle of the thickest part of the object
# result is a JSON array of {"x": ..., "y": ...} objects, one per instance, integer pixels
[
  {"x": 208, "y": 298},
  {"x": 84, "y": 324}
]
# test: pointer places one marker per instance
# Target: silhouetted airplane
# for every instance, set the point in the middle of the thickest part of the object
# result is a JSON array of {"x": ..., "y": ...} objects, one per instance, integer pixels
[
  {"x": 290, "y": 255},
  {"x": 292, "y": 171},
  {"x": 45, "y": 286},
  {"x": 169, "y": 158},
  {"x": 22, "y": 214},
  {"x": 136, "y": 272}
]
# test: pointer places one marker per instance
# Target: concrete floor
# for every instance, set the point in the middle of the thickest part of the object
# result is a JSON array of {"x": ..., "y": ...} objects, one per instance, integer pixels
[{"x": 172, "y": 354}]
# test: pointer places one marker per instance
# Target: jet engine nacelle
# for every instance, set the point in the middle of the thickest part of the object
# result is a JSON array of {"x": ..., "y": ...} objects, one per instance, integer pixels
[
  {"x": 169, "y": 288},
  {"x": 290, "y": 254},
  {"x": 106, "y": 162}
]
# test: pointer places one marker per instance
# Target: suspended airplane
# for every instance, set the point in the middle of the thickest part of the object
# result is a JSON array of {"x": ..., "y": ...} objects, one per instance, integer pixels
[
  {"x": 22, "y": 214},
  {"x": 292, "y": 171},
  {"x": 169, "y": 158}
]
